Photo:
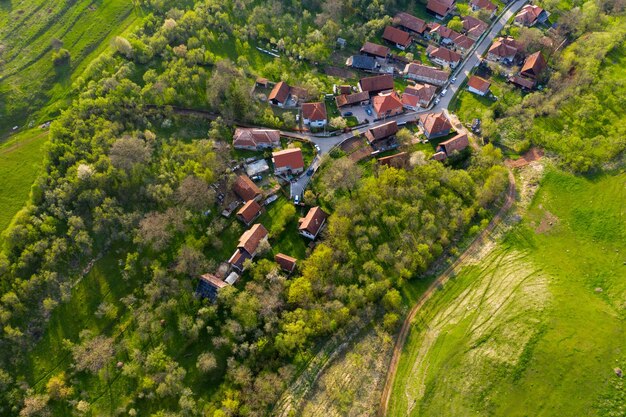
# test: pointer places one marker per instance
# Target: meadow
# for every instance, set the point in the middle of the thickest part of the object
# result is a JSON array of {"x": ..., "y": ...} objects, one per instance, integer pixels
[{"x": 537, "y": 326}]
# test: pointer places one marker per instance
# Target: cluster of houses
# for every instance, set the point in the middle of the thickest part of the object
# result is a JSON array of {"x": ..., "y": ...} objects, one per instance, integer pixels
[
  {"x": 283, "y": 95},
  {"x": 507, "y": 51}
]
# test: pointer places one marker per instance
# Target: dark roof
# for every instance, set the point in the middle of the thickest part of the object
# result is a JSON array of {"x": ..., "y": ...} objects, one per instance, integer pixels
[
  {"x": 313, "y": 221},
  {"x": 534, "y": 65},
  {"x": 410, "y": 22},
  {"x": 238, "y": 258},
  {"x": 363, "y": 62},
  {"x": 377, "y": 83},
  {"x": 245, "y": 188},
  {"x": 382, "y": 131},
  {"x": 397, "y": 36},
  {"x": 375, "y": 49},
  {"x": 280, "y": 92},
  {"x": 457, "y": 143},
  {"x": 349, "y": 99},
  {"x": 286, "y": 263}
]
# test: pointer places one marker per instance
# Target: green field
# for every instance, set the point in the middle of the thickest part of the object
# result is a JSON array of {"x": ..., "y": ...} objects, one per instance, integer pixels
[
  {"x": 20, "y": 163},
  {"x": 535, "y": 328}
]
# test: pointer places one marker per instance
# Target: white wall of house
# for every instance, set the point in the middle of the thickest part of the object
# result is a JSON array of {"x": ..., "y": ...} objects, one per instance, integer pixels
[
  {"x": 475, "y": 91},
  {"x": 315, "y": 123}
]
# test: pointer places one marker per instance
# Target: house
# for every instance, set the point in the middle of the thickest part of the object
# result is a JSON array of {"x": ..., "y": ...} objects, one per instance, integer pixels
[
  {"x": 311, "y": 225},
  {"x": 256, "y": 139},
  {"x": 280, "y": 94},
  {"x": 380, "y": 132},
  {"x": 262, "y": 82},
  {"x": 362, "y": 62},
  {"x": 209, "y": 285},
  {"x": 478, "y": 85},
  {"x": 410, "y": 23},
  {"x": 440, "y": 8},
  {"x": 444, "y": 57},
  {"x": 314, "y": 114},
  {"x": 400, "y": 38},
  {"x": 439, "y": 156},
  {"x": 477, "y": 5},
  {"x": 249, "y": 212},
  {"x": 288, "y": 160},
  {"x": 530, "y": 15},
  {"x": 286, "y": 263},
  {"x": 524, "y": 83},
  {"x": 248, "y": 246},
  {"x": 375, "y": 50},
  {"x": 462, "y": 43},
  {"x": 456, "y": 144},
  {"x": 423, "y": 92},
  {"x": 473, "y": 28},
  {"x": 342, "y": 89},
  {"x": 503, "y": 50},
  {"x": 376, "y": 84},
  {"x": 361, "y": 98},
  {"x": 435, "y": 125},
  {"x": 410, "y": 102},
  {"x": 534, "y": 65},
  {"x": 425, "y": 74},
  {"x": 386, "y": 105},
  {"x": 399, "y": 160},
  {"x": 442, "y": 34},
  {"x": 247, "y": 190}
]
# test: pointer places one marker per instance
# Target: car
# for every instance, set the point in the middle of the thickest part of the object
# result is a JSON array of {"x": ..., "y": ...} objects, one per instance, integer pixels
[
  {"x": 15, "y": 127},
  {"x": 310, "y": 172},
  {"x": 368, "y": 111},
  {"x": 317, "y": 148},
  {"x": 296, "y": 199},
  {"x": 452, "y": 80},
  {"x": 443, "y": 92},
  {"x": 436, "y": 101},
  {"x": 347, "y": 114},
  {"x": 256, "y": 178}
]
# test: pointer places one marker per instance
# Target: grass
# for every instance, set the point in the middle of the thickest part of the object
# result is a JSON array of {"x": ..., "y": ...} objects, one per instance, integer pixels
[
  {"x": 20, "y": 163},
  {"x": 524, "y": 331},
  {"x": 289, "y": 242}
]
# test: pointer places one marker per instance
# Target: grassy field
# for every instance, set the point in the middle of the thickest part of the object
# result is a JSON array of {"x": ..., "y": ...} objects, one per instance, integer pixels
[
  {"x": 20, "y": 163},
  {"x": 29, "y": 80},
  {"x": 537, "y": 327}
]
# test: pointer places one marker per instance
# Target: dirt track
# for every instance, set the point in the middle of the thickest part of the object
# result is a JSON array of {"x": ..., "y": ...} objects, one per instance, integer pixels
[{"x": 474, "y": 247}]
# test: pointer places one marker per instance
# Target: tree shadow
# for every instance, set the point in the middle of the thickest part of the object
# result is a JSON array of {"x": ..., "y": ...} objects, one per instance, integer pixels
[{"x": 6, "y": 5}]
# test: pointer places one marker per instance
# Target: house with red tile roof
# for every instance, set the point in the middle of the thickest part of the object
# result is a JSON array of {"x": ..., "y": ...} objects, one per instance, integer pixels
[
  {"x": 423, "y": 92},
  {"x": 503, "y": 50},
  {"x": 524, "y": 83},
  {"x": 249, "y": 212},
  {"x": 455, "y": 144},
  {"x": 473, "y": 28},
  {"x": 398, "y": 37},
  {"x": 280, "y": 94},
  {"x": 248, "y": 246},
  {"x": 380, "y": 132},
  {"x": 478, "y": 85},
  {"x": 399, "y": 160},
  {"x": 462, "y": 43},
  {"x": 534, "y": 65},
  {"x": 410, "y": 23},
  {"x": 311, "y": 225},
  {"x": 440, "y": 8},
  {"x": 376, "y": 84},
  {"x": 530, "y": 15},
  {"x": 477, "y": 5},
  {"x": 361, "y": 98},
  {"x": 375, "y": 50},
  {"x": 425, "y": 74},
  {"x": 288, "y": 160},
  {"x": 314, "y": 114},
  {"x": 444, "y": 57},
  {"x": 286, "y": 263},
  {"x": 435, "y": 125},
  {"x": 256, "y": 139},
  {"x": 386, "y": 105},
  {"x": 246, "y": 189}
]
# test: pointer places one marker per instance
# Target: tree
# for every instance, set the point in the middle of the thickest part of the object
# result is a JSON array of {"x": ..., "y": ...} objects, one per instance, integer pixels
[
  {"x": 57, "y": 388},
  {"x": 338, "y": 122},
  {"x": 206, "y": 362},
  {"x": 195, "y": 194},
  {"x": 93, "y": 354},
  {"x": 342, "y": 174},
  {"x": 35, "y": 406},
  {"x": 61, "y": 57},
  {"x": 128, "y": 152},
  {"x": 455, "y": 24},
  {"x": 122, "y": 46}
]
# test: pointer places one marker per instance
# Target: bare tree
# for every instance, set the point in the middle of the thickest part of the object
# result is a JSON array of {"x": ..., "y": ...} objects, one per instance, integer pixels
[
  {"x": 128, "y": 152},
  {"x": 195, "y": 194}
]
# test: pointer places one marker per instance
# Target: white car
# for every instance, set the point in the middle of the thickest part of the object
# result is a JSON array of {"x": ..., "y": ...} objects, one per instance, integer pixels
[
  {"x": 443, "y": 93},
  {"x": 452, "y": 80}
]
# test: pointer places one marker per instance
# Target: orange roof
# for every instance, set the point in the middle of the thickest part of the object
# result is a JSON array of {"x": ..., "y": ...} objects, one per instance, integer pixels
[
  {"x": 410, "y": 22},
  {"x": 435, "y": 123},
  {"x": 377, "y": 83},
  {"x": 288, "y": 158},
  {"x": 410, "y": 100},
  {"x": 457, "y": 143},
  {"x": 440, "y": 7},
  {"x": 249, "y": 211},
  {"x": 534, "y": 65},
  {"x": 245, "y": 188},
  {"x": 314, "y": 111},
  {"x": 479, "y": 84},
  {"x": 255, "y": 137},
  {"x": 375, "y": 49},
  {"x": 445, "y": 55},
  {"x": 382, "y": 131},
  {"x": 313, "y": 221},
  {"x": 386, "y": 103},
  {"x": 504, "y": 47},
  {"x": 397, "y": 36},
  {"x": 213, "y": 280},
  {"x": 425, "y": 92},
  {"x": 348, "y": 99},
  {"x": 287, "y": 263},
  {"x": 250, "y": 239},
  {"x": 280, "y": 92}
]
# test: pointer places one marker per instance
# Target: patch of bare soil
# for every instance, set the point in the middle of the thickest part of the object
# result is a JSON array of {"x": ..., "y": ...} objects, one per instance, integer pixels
[
  {"x": 356, "y": 148},
  {"x": 548, "y": 221},
  {"x": 534, "y": 154},
  {"x": 339, "y": 72}
]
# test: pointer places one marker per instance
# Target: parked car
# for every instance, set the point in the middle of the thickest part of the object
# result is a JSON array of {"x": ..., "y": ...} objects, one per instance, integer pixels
[
  {"x": 443, "y": 93},
  {"x": 256, "y": 178},
  {"x": 317, "y": 148},
  {"x": 436, "y": 101},
  {"x": 310, "y": 172},
  {"x": 296, "y": 199},
  {"x": 368, "y": 111},
  {"x": 348, "y": 113},
  {"x": 452, "y": 80}
]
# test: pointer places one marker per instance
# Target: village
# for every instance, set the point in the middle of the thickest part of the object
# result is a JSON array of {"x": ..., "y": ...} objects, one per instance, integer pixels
[{"x": 396, "y": 92}]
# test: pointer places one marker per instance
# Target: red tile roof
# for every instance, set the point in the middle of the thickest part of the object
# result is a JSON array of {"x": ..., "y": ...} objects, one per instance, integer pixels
[
  {"x": 375, "y": 49},
  {"x": 455, "y": 144},
  {"x": 280, "y": 92},
  {"x": 463, "y": 41},
  {"x": 504, "y": 47},
  {"x": 376, "y": 83},
  {"x": 435, "y": 123},
  {"x": 534, "y": 65},
  {"x": 426, "y": 72},
  {"x": 474, "y": 27},
  {"x": 382, "y": 131},
  {"x": 288, "y": 158},
  {"x": 286, "y": 263},
  {"x": 410, "y": 22},
  {"x": 440, "y": 7},
  {"x": 410, "y": 100},
  {"x": 250, "y": 239},
  {"x": 445, "y": 55},
  {"x": 397, "y": 160},
  {"x": 245, "y": 188},
  {"x": 256, "y": 137},
  {"x": 213, "y": 280},
  {"x": 425, "y": 92},
  {"x": 528, "y": 15},
  {"x": 314, "y": 111},
  {"x": 349, "y": 99},
  {"x": 522, "y": 82},
  {"x": 387, "y": 103},
  {"x": 397, "y": 36},
  {"x": 249, "y": 211},
  {"x": 313, "y": 221},
  {"x": 479, "y": 84}
]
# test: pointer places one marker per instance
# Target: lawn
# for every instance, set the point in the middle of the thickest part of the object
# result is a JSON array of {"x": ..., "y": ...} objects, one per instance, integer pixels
[
  {"x": 20, "y": 163},
  {"x": 289, "y": 242},
  {"x": 537, "y": 326}
]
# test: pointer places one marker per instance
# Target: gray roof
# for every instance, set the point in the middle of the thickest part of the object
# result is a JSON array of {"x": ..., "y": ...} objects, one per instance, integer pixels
[{"x": 362, "y": 62}]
